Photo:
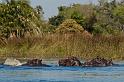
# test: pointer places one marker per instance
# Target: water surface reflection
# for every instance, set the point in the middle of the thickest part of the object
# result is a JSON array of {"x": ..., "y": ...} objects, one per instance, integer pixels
[{"x": 61, "y": 74}]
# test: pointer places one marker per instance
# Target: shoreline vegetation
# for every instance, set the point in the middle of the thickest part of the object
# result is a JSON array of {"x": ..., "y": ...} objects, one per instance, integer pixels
[
  {"x": 81, "y": 30},
  {"x": 64, "y": 45}
]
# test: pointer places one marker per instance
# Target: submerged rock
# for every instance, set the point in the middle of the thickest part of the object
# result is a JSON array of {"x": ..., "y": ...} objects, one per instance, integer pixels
[
  {"x": 70, "y": 61},
  {"x": 98, "y": 62},
  {"x": 12, "y": 62}
]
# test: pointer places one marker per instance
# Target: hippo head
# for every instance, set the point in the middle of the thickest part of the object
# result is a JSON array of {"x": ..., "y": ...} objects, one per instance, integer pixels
[{"x": 34, "y": 62}]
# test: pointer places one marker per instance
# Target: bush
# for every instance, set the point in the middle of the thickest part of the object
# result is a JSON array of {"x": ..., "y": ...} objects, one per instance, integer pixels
[{"x": 69, "y": 25}]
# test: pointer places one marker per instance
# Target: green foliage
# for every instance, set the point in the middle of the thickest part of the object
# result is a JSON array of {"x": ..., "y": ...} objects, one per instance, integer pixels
[
  {"x": 46, "y": 27},
  {"x": 82, "y": 14},
  {"x": 56, "y": 20},
  {"x": 67, "y": 13},
  {"x": 18, "y": 15},
  {"x": 79, "y": 18},
  {"x": 104, "y": 18},
  {"x": 119, "y": 13},
  {"x": 64, "y": 34}
]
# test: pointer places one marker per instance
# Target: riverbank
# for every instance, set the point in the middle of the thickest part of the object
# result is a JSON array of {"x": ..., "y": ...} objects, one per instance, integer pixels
[{"x": 54, "y": 46}]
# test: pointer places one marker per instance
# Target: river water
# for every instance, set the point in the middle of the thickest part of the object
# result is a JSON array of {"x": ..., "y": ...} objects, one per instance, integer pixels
[{"x": 61, "y": 74}]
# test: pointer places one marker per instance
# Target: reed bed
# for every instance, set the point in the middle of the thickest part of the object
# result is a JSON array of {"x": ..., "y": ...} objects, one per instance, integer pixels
[{"x": 53, "y": 45}]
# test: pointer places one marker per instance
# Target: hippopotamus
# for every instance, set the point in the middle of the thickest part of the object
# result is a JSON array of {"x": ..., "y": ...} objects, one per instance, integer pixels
[
  {"x": 98, "y": 62},
  {"x": 35, "y": 62},
  {"x": 70, "y": 61}
]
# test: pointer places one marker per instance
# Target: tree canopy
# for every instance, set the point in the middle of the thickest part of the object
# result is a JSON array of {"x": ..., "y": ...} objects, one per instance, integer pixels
[
  {"x": 18, "y": 15},
  {"x": 104, "y": 18}
]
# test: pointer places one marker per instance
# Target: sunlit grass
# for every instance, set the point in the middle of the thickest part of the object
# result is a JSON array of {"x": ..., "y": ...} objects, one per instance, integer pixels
[{"x": 64, "y": 45}]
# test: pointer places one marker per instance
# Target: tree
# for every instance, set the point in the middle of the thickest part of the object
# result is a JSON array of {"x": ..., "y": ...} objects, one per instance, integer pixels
[
  {"x": 56, "y": 20},
  {"x": 17, "y": 16},
  {"x": 105, "y": 23},
  {"x": 79, "y": 18},
  {"x": 39, "y": 10},
  {"x": 82, "y": 14},
  {"x": 119, "y": 16}
]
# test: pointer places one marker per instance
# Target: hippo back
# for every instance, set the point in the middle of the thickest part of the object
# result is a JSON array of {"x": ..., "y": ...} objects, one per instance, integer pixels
[{"x": 70, "y": 61}]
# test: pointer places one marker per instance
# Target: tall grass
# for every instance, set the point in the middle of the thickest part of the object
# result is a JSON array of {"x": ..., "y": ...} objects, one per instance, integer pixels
[{"x": 63, "y": 45}]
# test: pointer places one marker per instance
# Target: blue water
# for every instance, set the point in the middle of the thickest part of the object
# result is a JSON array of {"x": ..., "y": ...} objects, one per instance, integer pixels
[{"x": 61, "y": 74}]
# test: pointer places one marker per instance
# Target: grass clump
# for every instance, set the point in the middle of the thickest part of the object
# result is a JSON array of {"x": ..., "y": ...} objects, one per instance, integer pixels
[{"x": 62, "y": 45}]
